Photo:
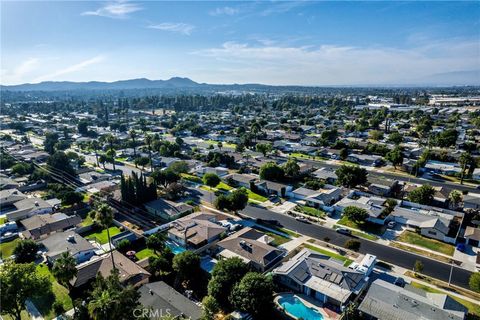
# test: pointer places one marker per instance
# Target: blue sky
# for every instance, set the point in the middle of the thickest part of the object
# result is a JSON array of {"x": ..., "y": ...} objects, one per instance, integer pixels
[{"x": 271, "y": 42}]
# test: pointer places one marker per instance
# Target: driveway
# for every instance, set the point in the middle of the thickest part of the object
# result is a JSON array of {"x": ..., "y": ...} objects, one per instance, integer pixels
[{"x": 284, "y": 207}]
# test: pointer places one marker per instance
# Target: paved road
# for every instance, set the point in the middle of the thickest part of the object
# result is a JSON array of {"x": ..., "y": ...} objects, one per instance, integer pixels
[
  {"x": 448, "y": 185},
  {"x": 397, "y": 257}
]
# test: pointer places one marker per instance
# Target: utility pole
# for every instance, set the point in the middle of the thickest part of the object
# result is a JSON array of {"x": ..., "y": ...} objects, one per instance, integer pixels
[{"x": 450, "y": 276}]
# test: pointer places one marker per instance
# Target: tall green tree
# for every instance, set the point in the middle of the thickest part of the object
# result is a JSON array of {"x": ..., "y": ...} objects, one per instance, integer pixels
[
  {"x": 351, "y": 176},
  {"x": 465, "y": 161},
  {"x": 254, "y": 294},
  {"x": 423, "y": 194},
  {"x": 19, "y": 282},
  {"x": 103, "y": 215},
  {"x": 395, "y": 157},
  {"x": 187, "y": 267},
  {"x": 64, "y": 269},
  {"x": 211, "y": 179},
  {"x": 26, "y": 251}
]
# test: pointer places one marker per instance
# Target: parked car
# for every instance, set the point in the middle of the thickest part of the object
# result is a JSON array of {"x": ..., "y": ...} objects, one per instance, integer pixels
[
  {"x": 461, "y": 247},
  {"x": 391, "y": 224},
  {"x": 399, "y": 282},
  {"x": 302, "y": 219},
  {"x": 344, "y": 231}
]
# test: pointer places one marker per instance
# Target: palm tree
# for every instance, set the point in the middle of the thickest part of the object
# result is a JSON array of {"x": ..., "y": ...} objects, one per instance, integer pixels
[
  {"x": 64, "y": 268},
  {"x": 148, "y": 142},
  {"x": 103, "y": 304},
  {"x": 133, "y": 135},
  {"x": 111, "y": 154},
  {"x": 104, "y": 217},
  {"x": 102, "y": 160},
  {"x": 95, "y": 146},
  {"x": 465, "y": 160},
  {"x": 255, "y": 129}
]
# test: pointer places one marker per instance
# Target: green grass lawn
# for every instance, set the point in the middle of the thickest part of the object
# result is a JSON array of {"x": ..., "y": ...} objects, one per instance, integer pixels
[
  {"x": 421, "y": 252},
  {"x": 87, "y": 221},
  {"x": 223, "y": 186},
  {"x": 102, "y": 236},
  {"x": 254, "y": 196},
  {"x": 277, "y": 239},
  {"x": 6, "y": 248},
  {"x": 144, "y": 253},
  {"x": 346, "y": 261},
  {"x": 224, "y": 144},
  {"x": 362, "y": 226},
  {"x": 60, "y": 293},
  {"x": 473, "y": 308},
  {"x": 311, "y": 211},
  {"x": 421, "y": 241},
  {"x": 191, "y": 177},
  {"x": 3, "y": 220}
]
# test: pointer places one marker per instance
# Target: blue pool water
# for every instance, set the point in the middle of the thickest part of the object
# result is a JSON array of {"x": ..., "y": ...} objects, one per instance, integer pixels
[
  {"x": 207, "y": 264},
  {"x": 176, "y": 249},
  {"x": 295, "y": 307}
]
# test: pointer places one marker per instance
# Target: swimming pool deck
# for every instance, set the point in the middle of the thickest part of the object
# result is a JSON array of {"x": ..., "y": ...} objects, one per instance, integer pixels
[{"x": 309, "y": 302}]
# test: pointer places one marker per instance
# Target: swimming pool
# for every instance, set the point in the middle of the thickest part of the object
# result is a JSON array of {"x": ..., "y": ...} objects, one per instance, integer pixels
[
  {"x": 295, "y": 307},
  {"x": 176, "y": 249}
]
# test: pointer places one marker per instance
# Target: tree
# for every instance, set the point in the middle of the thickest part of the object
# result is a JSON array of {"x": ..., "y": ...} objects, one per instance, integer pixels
[
  {"x": 133, "y": 136},
  {"x": 351, "y": 176},
  {"x": 19, "y": 283},
  {"x": 210, "y": 308},
  {"x": 104, "y": 216},
  {"x": 375, "y": 135},
  {"x": 64, "y": 269},
  {"x": 455, "y": 197},
  {"x": 179, "y": 167},
  {"x": 110, "y": 300},
  {"x": 26, "y": 251},
  {"x": 474, "y": 282},
  {"x": 255, "y": 129},
  {"x": 465, "y": 160},
  {"x": 148, "y": 142},
  {"x": 238, "y": 199},
  {"x": 343, "y": 153},
  {"x": 291, "y": 168},
  {"x": 82, "y": 127},
  {"x": 395, "y": 157},
  {"x": 156, "y": 242},
  {"x": 187, "y": 266},
  {"x": 352, "y": 244},
  {"x": 211, "y": 179},
  {"x": 103, "y": 159},
  {"x": 254, "y": 294},
  {"x": 225, "y": 275},
  {"x": 222, "y": 202},
  {"x": 51, "y": 139},
  {"x": 271, "y": 171},
  {"x": 142, "y": 161},
  {"x": 264, "y": 148},
  {"x": 418, "y": 266},
  {"x": 355, "y": 213},
  {"x": 423, "y": 195},
  {"x": 111, "y": 154},
  {"x": 220, "y": 145},
  {"x": 395, "y": 138},
  {"x": 60, "y": 161}
]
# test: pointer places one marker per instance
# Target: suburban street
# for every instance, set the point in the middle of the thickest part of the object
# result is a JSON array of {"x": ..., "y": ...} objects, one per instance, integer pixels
[{"x": 394, "y": 256}]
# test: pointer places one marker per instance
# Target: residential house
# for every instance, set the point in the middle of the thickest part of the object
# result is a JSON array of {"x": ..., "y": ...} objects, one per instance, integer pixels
[
  {"x": 374, "y": 205},
  {"x": 365, "y": 159},
  {"x": 196, "y": 231},
  {"x": 439, "y": 167},
  {"x": 321, "y": 198},
  {"x": 253, "y": 247},
  {"x": 163, "y": 300},
  {"x": 9, "y": 196},
  {"x": 130, "y": 273},
  {"x": 437, "y": 223},
  {"x": 60, "y": 242},
  {"x": 92, "y": 176},
  {"x": 219, "y": 171},
  {"x": 471, "y": 201},
  {"x": 276, "y": 188},
  {"x": 326, "y": 174},
  {"x": 241, "y": 180},
  {"x": 167, "y": 210},
  {"x": 28, "y": 207},
  {"x": 381, "y": 187},
  {"x": 472, "y": 236},
  {"x": 40, "y": 226},
  {"x": 321, "y": 277},
  {"x": 387, "y": 301}
]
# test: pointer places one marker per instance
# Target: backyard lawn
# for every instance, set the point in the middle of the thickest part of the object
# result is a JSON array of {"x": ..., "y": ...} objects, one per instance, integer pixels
[
  {"x": 102, "y": 236},
  {"x": 346, "y": 261},
  {"x": 363, "y": 226},
  {"x": 144, "y": 253},
  {"x": 191, "y": 177},
  {"x": 277, "y": 239},
  {"x": 421, "y": 241},
  {"x": 223, "y": 186},
  {"x": 60, "y": 293},
  {"x": 87, "y": 221},
  {"x": 6, "y": 248}
]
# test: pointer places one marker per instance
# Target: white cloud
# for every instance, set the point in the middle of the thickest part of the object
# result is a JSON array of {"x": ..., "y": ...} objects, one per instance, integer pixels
[
  {"x": 229, "y": 11},
  {"x": 182, "y": 28},
  {"x": 70, "y": 69},
  {"x": 342, "y": 65},
  {"x": 119, "y": 9},
  {"x": 18, "y": 74}
]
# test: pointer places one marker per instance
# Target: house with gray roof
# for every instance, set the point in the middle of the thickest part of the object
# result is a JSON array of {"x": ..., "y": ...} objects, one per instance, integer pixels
[
  {"x": 163, "y": 300},
  {"x": 253, "y": 247},
  {"x": 60, "y": 242},
  {"x": 168, "y": 210},
  {"x": 321, "y": 277},
  {"x": 387, "y": 301},
  {"x": 41, "y": 225},
  {"x": 28, "y": 207},
  {"x": 471, "y": 201}
]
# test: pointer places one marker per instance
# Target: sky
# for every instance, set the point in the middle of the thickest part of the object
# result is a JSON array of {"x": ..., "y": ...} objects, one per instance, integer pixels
[{"x": 269, "y": 42}]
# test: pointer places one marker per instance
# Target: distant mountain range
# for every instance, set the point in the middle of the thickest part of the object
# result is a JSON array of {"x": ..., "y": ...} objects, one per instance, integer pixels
[{"x": 142, "y": 83}]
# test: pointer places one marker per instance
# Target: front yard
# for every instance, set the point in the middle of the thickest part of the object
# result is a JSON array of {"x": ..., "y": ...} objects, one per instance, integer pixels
[
  {"x": 421, "y": 241},
  {"x": 366, "y": 226},
  {"x": 346, "y": 261},
  {"x": 311, "y": 211},
  {"x": 101, "y": 236},
  {"x": 255, "y": 196},
  {"x": 6, "y": 248}
]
